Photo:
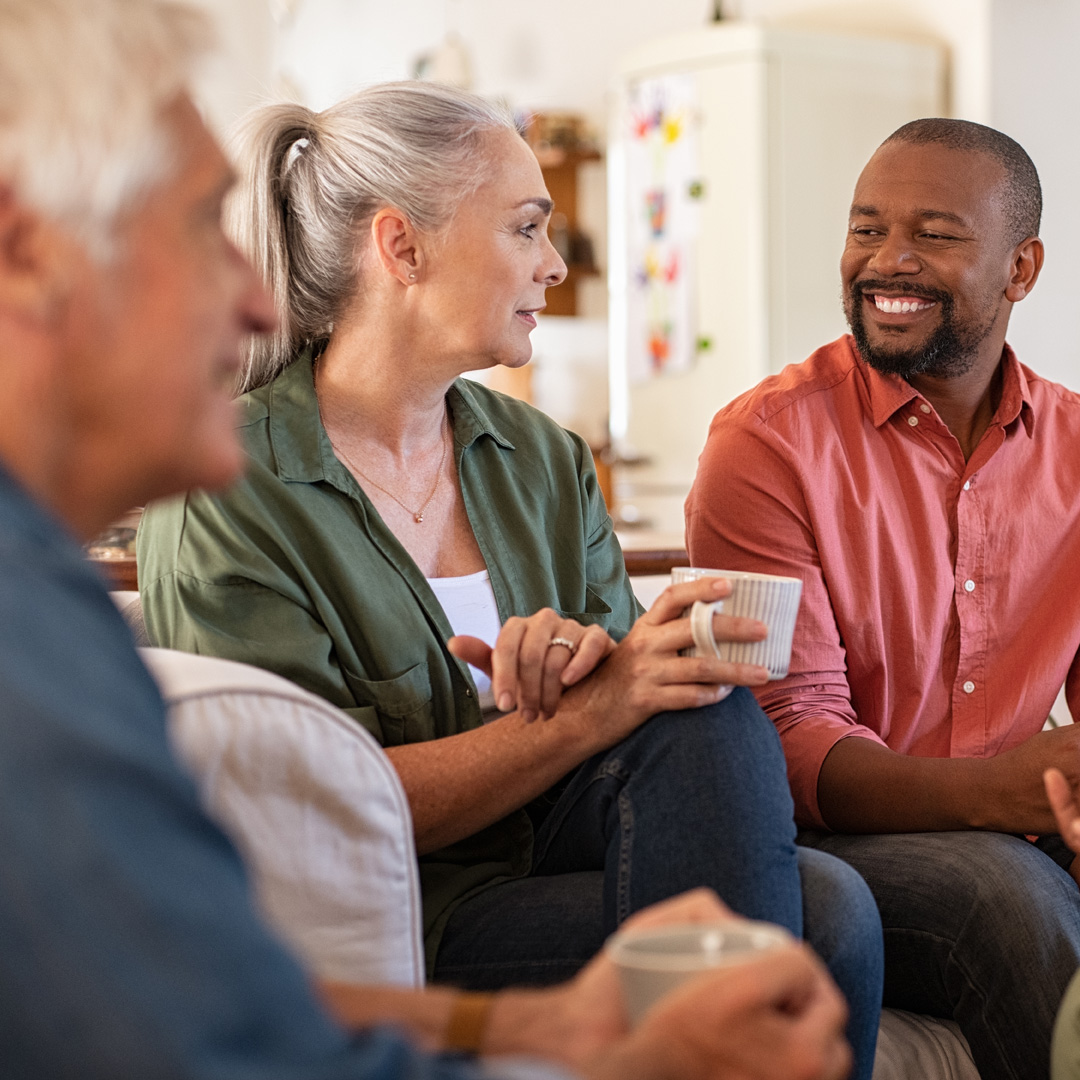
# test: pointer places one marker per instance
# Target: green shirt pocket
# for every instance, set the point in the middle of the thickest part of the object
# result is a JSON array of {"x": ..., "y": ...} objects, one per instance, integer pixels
[
  {"x": 596, "y": 610},
  {"x": 403, "y": 704}
]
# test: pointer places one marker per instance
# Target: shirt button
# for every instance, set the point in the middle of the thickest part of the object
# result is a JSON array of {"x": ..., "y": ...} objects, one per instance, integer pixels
[
  {"x": 969, "y": 585},
  {"x": 925, "y": 408},
  {"x": 468, "y": 692},
  {"x": 969, "y": 687},
  {"x": 967, "y": 485},
  {"x": 913, "y": 421}
]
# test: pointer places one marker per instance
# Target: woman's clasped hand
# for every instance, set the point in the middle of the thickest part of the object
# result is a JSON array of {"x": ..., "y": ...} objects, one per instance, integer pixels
[{"x": 646, "y": 673}]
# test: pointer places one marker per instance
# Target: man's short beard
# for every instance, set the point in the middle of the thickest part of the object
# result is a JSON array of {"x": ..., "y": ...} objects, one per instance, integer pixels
[{"x": 949, "y": 352}]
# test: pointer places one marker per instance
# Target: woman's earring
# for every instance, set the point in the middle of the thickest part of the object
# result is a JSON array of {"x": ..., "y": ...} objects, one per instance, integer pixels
[{"x": 412, "y": 276}]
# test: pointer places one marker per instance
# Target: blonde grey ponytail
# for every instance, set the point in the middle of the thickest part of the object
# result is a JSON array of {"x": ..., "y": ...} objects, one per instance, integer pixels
[{"x": 310, "y": 183}]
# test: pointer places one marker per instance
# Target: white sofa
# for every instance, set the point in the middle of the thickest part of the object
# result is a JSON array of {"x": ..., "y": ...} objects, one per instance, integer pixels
[{"x": 321, "y": 819}]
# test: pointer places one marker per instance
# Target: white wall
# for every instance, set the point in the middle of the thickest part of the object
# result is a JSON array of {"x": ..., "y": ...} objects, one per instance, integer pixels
[
  {"x": 552, "y": 55},
  {"x": 963, "y": 25},
  {"x": 241, "y": 73},
  {"x": 1034, "y": 96},
  {"x": 1013, "y": 67}
]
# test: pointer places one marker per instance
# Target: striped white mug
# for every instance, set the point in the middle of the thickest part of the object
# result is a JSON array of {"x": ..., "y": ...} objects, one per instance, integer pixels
[{"x": 769, "y": 599}]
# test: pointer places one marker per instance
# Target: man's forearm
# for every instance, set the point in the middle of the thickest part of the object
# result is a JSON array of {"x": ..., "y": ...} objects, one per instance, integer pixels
[{"x": 864, "y": 787}]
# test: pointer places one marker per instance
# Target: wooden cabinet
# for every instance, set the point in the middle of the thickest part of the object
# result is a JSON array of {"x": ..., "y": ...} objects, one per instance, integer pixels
[{"x": 561, "y": 150}]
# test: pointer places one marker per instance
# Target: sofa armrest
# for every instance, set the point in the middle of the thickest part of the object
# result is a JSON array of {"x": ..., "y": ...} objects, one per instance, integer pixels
[{"x": 313, "y": 805}]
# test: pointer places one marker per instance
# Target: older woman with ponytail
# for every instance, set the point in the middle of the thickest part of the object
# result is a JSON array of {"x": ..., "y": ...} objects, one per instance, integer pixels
[{"x": 436, "y": 560}]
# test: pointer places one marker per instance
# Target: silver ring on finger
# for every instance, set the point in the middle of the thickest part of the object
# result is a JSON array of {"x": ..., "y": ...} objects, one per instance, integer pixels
[{"x": 565, "y": 642}]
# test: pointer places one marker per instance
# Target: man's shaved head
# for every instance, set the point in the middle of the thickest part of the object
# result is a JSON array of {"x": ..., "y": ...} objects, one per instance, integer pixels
[{"x": 1023, "y": 192}]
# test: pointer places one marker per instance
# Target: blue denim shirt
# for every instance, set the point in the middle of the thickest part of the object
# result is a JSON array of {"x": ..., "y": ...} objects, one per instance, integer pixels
[{"x": 128, "y": 944}]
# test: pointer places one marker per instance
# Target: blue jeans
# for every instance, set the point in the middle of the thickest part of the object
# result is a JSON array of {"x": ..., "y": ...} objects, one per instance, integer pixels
[
  {"x": 979, "y": 927},
  {"x": 690, "y": 798}
]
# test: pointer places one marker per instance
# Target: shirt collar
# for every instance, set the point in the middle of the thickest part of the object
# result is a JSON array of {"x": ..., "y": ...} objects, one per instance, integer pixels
[
  {"x": 471, "y": 419},
  {"x": 1015, "y": 395},
  {"x": 302, "y": 449},
  {"x": 890, "y": 393}
]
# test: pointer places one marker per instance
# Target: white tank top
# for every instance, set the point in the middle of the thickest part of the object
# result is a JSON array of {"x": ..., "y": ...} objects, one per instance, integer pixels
[{"x": 469, "y": 603}]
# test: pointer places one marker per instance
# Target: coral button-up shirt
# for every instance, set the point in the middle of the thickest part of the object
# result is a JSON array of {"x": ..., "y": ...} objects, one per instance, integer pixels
[{"x": 941, "y": 597}]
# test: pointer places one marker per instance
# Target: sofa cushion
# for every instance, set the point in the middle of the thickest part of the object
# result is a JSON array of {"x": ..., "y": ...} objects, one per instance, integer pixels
[{"x": 910, "y": 1045}]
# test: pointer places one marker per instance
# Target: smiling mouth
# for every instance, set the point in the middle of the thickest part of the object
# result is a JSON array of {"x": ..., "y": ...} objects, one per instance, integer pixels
[{"x": 899, "y": 305}]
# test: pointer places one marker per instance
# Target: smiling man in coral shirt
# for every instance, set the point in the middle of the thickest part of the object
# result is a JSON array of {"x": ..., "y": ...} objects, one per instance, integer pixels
[{"x": 926, "y": 488}]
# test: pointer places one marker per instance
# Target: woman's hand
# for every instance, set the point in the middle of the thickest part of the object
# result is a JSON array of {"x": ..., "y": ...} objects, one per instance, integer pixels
[
  {"x": 532, "y": 664},
  {"x": 646, "y": 674}
]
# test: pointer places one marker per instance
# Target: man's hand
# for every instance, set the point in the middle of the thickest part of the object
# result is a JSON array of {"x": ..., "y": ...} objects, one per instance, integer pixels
[
  {"x": 1019, "y": 777},
  {"x": 775, "y": 1016},
  {"x": 591, "y": 1004}
]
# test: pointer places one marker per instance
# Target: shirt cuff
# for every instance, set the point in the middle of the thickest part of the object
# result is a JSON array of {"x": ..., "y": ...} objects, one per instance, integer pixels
[{"x": 807, "y": 744}]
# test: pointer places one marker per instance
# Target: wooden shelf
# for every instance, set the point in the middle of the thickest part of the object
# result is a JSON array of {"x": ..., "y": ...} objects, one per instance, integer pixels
[
  {"x": 560, "y": 164},
  {"x": 562, "y": 299}
]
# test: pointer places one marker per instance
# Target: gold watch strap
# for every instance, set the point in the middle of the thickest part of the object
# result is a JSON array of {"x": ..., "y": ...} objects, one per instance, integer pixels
[{"x": 468, "y": 1019}]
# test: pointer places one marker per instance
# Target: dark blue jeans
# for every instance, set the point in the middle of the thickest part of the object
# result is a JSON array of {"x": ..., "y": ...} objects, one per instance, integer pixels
[
  {"x": 981, "y": 928},
  {"x": 690, "y": 798}
]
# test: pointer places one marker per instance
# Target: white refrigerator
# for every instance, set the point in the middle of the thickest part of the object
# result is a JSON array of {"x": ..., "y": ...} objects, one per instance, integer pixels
[{"x": 732, "y": 158}]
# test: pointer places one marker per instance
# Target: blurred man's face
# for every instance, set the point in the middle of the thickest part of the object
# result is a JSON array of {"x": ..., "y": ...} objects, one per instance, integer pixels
[{"x": 154, "y": 337}]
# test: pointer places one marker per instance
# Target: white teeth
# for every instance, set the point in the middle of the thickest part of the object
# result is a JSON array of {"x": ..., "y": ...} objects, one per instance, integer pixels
[{"x": 898, "y": 307}]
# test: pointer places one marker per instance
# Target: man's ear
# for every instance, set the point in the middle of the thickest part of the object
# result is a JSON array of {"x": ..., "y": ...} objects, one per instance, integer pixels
[
  {"x": 35, "y": 263},
  {"x": 1027, "y": 262},
  {"x": 396, "y": 245}
]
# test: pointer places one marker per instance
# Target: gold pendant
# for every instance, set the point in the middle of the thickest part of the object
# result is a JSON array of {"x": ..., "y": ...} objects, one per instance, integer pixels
[{"x": 419, "y": 518}]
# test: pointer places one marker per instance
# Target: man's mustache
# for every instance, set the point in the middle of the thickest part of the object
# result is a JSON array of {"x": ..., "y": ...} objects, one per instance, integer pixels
[{"x": 886, "y": 288}]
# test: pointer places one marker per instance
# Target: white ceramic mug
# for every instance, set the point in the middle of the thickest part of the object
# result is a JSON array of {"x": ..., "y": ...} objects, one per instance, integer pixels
[
  {"x": 768, "y": 598},
  {"x": 652, "y": 962}
]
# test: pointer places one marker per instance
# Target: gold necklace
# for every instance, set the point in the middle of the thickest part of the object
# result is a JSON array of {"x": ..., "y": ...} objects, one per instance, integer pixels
[{"x": 418, "y": 515}]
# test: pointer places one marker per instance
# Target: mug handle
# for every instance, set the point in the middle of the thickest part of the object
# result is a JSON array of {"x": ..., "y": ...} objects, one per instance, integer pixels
[{"x": 701, "y": 625}]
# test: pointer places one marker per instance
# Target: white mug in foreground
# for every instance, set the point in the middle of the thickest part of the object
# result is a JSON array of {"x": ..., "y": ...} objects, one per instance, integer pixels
[
  {"x": 769, "y": 599},
  {"x": 652, "y": 962}
]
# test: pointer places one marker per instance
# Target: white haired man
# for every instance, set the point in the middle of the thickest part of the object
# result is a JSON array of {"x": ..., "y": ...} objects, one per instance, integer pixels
[{"x": 128, "y": 947}]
